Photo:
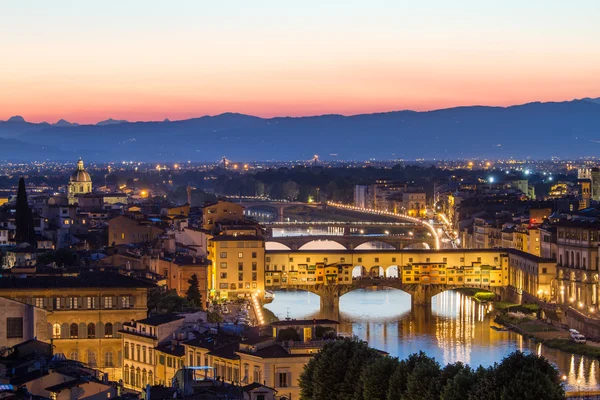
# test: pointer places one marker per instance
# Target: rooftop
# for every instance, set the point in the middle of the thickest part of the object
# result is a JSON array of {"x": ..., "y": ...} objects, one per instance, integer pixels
[
  {"x": 84, "y": 280},
  {"x": 160, "y": 319}
]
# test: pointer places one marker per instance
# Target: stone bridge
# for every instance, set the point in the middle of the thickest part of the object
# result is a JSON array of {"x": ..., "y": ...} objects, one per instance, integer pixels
[
  {"x": 278, "y": 206},
  {"x": 351, "y": 242},
  {"x": 421, "y": 294}
]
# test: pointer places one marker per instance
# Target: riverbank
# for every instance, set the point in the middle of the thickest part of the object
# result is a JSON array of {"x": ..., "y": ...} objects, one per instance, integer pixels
[{"x": 549, "y": 335}]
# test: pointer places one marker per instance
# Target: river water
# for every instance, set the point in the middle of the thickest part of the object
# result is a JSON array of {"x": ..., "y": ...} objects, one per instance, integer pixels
[{"x": 455, "y": 328}]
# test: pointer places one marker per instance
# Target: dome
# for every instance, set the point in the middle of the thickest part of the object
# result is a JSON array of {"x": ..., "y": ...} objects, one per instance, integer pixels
[{"x": 80, "y": 175}]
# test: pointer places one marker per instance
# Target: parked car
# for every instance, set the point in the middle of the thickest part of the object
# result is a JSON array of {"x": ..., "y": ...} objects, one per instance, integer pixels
[{"x": 576, "y": 336}]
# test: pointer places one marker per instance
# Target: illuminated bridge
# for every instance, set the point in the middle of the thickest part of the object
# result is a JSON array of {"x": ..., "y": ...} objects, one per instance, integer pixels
[{"x": 421, "y": 273}]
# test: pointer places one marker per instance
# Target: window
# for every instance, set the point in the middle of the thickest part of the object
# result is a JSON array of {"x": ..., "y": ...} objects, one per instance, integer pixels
[
  {"x": 253, "y": 254},
  {"x": 240, "y": 266},
  {"x": 240, "y": 255},
  {"x": 57, "y": 303},
  {"x": 376, "y": 259},
  {"x": 254, "y": 276},
  {"x": 544, "y": 270},
  {"x": 307, "y": 259},
  {"x": 108, "y": 330},
  {"x": 74, "y": 331},
  {"x": 125, "y": 302},
  {"x": 393, "y": 259},
  {"x": 91, "y": 358},
  {"x": 254, "y": 266},
  {"x": 138, "y": 349},
  {"x": 254, "y": 285},
  {"x": 161, "y": 359},
  {"x": 144, "y": 354},
  {"x": 91, "y": 302},
  {"x": 39, "y": 302},
  {"x": 126, "y": 356},
  {"x": 56, "y": 331},
  {"x": 108, "y": 359},
  {"x": 223, "y": 285},
  {"x": 240, "y": 276},
  {"x": 91, "y": 331},
  {"x": 74, "y": 356},
  {"x": 170, "y": 362},
  {"x": 108, "y": 302},
  {"x": 223, "y": 254},
  {"x": 14, "y": 328},
  {"x": 410, "y": 260},
  {"x": 223, "y": 275},
  {"x": 283, "y": 381},
  {"x": 291, "y": 259},
  {"x": 150, "y": 359},
  {"x": 256, "y": 374},
  {"x": 223, "y": 264}
]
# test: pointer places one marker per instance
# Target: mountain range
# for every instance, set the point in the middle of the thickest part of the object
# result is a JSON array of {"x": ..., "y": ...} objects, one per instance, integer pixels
[{"x": 537, "y": 130}]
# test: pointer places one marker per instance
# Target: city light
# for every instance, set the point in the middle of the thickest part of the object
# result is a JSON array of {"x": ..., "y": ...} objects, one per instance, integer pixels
[{"x": 491, "y": 179}]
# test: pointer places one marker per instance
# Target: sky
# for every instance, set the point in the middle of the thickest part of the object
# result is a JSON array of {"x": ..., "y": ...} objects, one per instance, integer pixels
[{"x": 86, "y": 61}]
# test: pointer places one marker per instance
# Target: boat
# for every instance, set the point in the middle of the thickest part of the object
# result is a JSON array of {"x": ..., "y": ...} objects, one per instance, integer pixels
[{"x": 499, "y": 328}]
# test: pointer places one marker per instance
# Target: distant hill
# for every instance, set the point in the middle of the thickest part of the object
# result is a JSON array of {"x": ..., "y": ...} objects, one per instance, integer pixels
[
  {"x": 537, "y": 130},
  {"x": 16, "y": 150},
  {"x": 111, "y": 121}
]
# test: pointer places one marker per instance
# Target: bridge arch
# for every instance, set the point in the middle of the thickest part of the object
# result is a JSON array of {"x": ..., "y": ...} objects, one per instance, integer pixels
[
  {"x": 327, "y": 244},
  {"x": 375, "y": 245},
  {"x": 376, "y": 271},
  {"x": 393, "y": 271},
  {"x": 274, "y": 245},
  {"x": 417, "y": 246},
  {"x": 359, "y": 271}
]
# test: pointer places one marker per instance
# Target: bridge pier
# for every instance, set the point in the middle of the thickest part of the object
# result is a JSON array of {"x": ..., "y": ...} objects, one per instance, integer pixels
[
  {"x": 330, "y": 296},
  {"x": 421, "y": 296}
]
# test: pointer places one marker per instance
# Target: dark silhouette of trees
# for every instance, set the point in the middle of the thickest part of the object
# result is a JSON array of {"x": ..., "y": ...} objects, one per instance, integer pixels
[
  {"x": 193, "y": 294},
  {"x": 349, "y": 369},
  {"x": 24, "y": 218}
]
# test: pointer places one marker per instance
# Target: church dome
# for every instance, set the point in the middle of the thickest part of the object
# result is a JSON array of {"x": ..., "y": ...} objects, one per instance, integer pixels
[{"x": 80, "y": 175}]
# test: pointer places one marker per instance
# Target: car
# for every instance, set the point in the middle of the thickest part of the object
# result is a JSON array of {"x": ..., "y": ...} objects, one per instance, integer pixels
[{"x": 577, "y": 337}]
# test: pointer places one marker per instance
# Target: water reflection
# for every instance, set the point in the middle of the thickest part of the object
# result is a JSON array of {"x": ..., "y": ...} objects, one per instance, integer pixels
[{"x": 455, "y": 328}]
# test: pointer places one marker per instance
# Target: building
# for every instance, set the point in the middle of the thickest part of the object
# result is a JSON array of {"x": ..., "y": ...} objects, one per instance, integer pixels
[
  {"x": 219, "y": 213},
  {"x": 237, "y": 265},
  {"x": 577, "y": 248},
  {"x": 140, "y": 342},
  {"x": 79, "y": 183},
  {"x": 532, "y": 276},
  {"x": 21, "y": 322},
  {"x": 360, "y": 196},
  {"x": 414, "y": 204},
  {"x": 179, "y": 269},
  {"x": 126, "y": 230},
  {"x": 85, "y": 312}
]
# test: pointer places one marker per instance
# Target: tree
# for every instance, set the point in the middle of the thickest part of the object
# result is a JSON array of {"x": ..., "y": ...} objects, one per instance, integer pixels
[
  {"x": 166, "y": 302},
  {"x": 334, "y": 373},
  {"x": 375, "y": 378},
  {"x": 193, "y": 294},
  {"x": 458, "y": 387},
  {"x": 24, "y": 218},
  {"x": 291, "y": 190},
  {"x": 288, "y": 334},
  {"x": 423, "y": 382},
  {"x": 61, "y": 257}
]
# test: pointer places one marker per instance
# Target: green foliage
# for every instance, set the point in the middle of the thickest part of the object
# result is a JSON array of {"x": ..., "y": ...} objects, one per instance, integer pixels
[
  {"x": 61, "y": 257},
  {"x": 166, "y": 302},
  {"x": 193, "y": 294},
  {"x": 572, "y": 347},
  {"x": 334, "y": 373},
  {"x": 349, "y": 369},
  {"x": 484, "y": 296},
  {"x": 375, "y": 377},
  {"x": 325, "y": 332},
  {"x": 213, "y": 317},
  {"x": 288, "y": 334}
]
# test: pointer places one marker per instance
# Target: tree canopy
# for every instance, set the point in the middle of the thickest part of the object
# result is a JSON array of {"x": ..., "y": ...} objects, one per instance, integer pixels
[
  {"x": 193, "y": 294},
  {"x": 349, "y": 369}
]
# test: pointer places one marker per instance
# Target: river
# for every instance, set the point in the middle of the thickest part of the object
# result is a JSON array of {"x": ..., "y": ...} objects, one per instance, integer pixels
[{"x": 455, "y": 328}]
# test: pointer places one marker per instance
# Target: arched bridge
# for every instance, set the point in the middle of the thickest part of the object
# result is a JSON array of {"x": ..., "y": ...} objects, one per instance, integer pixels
[
  {"x": 278, "y": 206},
  {"x": 349, "y": 242},
  {"x": 421, "y": 294}
]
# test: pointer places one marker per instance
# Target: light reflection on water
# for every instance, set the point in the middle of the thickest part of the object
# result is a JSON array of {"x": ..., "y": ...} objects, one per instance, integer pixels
[{"x": 455, "y": 328}]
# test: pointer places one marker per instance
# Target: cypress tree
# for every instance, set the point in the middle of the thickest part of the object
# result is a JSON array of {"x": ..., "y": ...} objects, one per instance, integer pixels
[
  {"x": 193, "y": 294},
  {"x": 24, "y": 218}
]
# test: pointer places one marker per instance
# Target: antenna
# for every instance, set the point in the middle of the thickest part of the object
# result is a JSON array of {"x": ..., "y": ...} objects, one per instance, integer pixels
[{"x": 287, "y": 317}]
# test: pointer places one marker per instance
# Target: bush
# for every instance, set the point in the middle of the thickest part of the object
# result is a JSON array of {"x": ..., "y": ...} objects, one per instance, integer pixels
[
  {"x": 485, "y": 296},
  {"x": 214, "y": 317}
]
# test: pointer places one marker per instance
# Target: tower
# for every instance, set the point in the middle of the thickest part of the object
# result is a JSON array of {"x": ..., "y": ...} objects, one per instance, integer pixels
[{"x": 79, "y": 183}]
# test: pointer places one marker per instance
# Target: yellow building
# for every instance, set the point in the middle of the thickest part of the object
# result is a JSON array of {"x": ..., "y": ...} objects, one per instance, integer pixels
[
  {"x": 481, "y": 267},
  {"x": 237, "y": 265},
  {"x": 85, "y": 312},
  {"x": 532, "y": 277},
  {"x": 220, "y": 212},
  {"x": 260, "y": 359},
  {"x": 79, "y": 183},
  {"x": 144, "y": 362}
]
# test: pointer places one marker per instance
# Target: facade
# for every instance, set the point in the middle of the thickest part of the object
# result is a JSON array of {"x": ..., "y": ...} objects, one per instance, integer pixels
[
  {"x": 179, "y": 270},
  {"x": 532, "y": 276},
  {"x": 360, "y": 196},
  {"x": 21, "y": 322},
  {"x": 126, "y": 230},
  {"x": 469, "y": 268},
  {"x": 414, "y": 204},
  {"x": 140, "y": 340},
  {"x": 237, "y": 265},
  {"x": 80, "y": 183},
  {"x": 85, "y": 312},
  {"x": 221, "y": 212},
  {"x": 577, "y": 247}
]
